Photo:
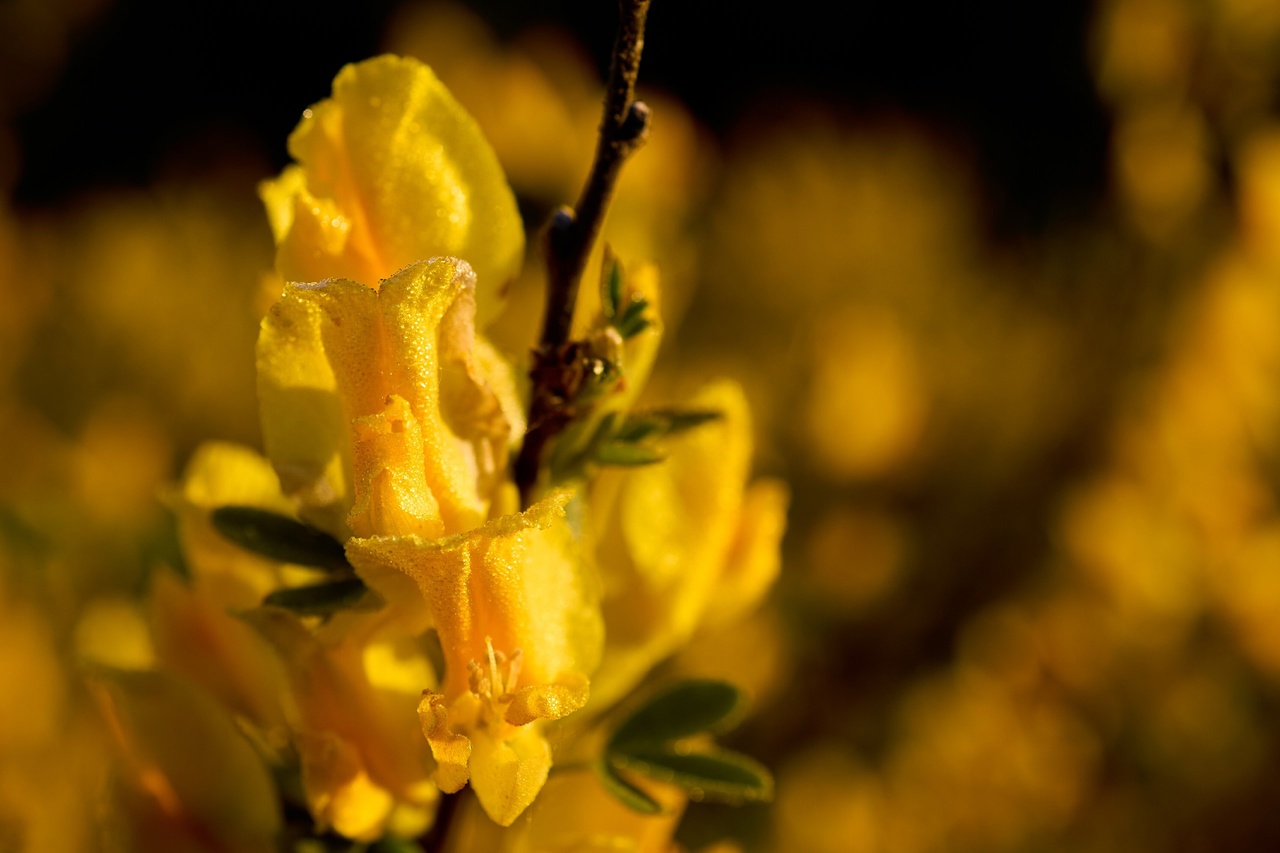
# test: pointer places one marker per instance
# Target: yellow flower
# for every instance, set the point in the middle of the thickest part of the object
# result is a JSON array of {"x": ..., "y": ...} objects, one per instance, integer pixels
[
  {"x": 683, "y": 543},
  {"x": 353, "y": 685},
  {"x": 345, "y": 692},
  {"x": 538, "y": 104},
  {"x": 389, "y": 419},
  {"x": 520, "y": 631},
  {"x": 391, "y": 170},
  {"x": 382, "y": 411}
]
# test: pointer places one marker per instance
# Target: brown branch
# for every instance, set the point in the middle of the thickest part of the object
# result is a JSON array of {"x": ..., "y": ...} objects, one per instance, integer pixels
[{"x": 623, "y": 129}]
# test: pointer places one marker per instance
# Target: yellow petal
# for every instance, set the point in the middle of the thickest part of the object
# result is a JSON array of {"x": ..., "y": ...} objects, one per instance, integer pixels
[
  {"x": 392, "y": 170},
  {"x": 755, "y": 556},
  {"x": 507, "y": 774},
  {"x": 670, "y": 545},
  {"x": 222, "y": 474},
  {"x": 548, "y": 701},
  {"x": 198, "y": 637},
  {"x": 189, "y": 759},
  {"x": 451, "y": 751},
  {"x": 332, "y": 359},
  {"x": 277, "y": 197},
  {"x": 338, "y": 790},
  {"x": 367, "y": 736},
  {"x": 395, "y": 500},
  {"x": 516, "y": 582},
  {"x": 573, "y": 813},
  {"x": 685, "y": 510}
]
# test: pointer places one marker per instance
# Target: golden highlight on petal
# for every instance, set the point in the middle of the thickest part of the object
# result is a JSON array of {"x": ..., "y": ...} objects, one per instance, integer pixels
[
  {"x": 507, "y": 774},
  {"x": 338, "y": 790},
  {"x": 520, "y": 630},
  {"x": 514, "y": 584},
  {"x": 392, "y": 170},
  {"x": 452, "y": 752},
  {"x": 548, "y": 701},
  {"x": 376, "y": 410}
]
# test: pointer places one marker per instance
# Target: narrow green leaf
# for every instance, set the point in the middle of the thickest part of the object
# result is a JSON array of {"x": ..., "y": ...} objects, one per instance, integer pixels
[
  {"x": 626, "y": 793},
  {"x": 610, "y": 284},
  {"x": 665, "y": 422},
  {"x": 639, "y": 427},
  {"x": 682, "y": 420},
  {"x": 635, "y": 308},
  {"x": 621, "y": 453},
  {"x": 685, "y": 709},
  {"x": 575, "y": 446},
  {"x": 633, "y": 322},
  {"x": 717, "y": 774},
  {"x": 632, "y": 329},
  {"x": 322, "y": 599},
  {"x": 279, "y": 537},
  {"x": 602, "y": 431}
]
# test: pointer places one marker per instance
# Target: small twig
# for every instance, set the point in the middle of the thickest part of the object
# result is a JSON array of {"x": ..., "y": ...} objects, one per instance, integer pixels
[{"x": 623, "y": 129}]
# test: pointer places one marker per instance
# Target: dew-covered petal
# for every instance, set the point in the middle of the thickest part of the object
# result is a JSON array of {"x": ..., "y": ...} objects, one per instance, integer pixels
[{"x": 392, "y": 170}]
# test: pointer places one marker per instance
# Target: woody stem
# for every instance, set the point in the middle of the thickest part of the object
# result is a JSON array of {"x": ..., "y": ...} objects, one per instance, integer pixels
[{"x": 624, "y": 127}]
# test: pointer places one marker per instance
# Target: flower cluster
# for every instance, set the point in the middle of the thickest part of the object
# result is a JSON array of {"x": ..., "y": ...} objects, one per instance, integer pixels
[{"x": 369, "y": 599}]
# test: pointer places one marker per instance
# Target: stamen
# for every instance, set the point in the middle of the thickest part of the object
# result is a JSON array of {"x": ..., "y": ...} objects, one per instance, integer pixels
[
  {"x": 495, "y": 677},
  {"x": 513, "y": 672}
]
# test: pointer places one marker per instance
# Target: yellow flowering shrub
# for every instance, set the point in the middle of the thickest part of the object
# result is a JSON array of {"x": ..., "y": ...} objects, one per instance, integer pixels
[{"x": 367, "y": 602}]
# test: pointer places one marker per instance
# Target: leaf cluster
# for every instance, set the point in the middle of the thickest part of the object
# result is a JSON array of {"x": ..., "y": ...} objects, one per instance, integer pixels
[
  {"x": 628, "y": 441},
  {"x": 623, "y": 311},
  {"x": 287, "y": 540},
  {"x": 654, "y": 742}
]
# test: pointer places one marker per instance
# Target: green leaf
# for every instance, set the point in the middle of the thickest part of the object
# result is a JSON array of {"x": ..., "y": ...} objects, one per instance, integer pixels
[
  {"x": 639, "y": 427},
  {"x": 686, "y": 709},
  {"x": 633, "y": 327},
  {"x": 634, "y": 310},
  {"x": 717, "y": 774},
  {"x": 603, "y": 430},
  {"x": 682, "y": 420},
  {"x": 621, "y": 453},
  {"x": 626, "y": 793},
  {"x": 322, "y": 599},
  {"x": 278, "y": 537},
  {"x": 665, "y": 422},
  {"x": 633, "y": 322},
  {"x": 611, "y": 285},
  {"x": 574, "y": 447}
]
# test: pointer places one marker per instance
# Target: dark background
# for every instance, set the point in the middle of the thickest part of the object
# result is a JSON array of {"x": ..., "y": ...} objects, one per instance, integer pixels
[{"x": 1008, "y": 82}]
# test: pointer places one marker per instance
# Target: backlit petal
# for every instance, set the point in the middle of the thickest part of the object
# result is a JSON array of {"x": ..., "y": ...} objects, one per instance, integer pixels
[
  {"x": 391, "y": 171},
  {"x": 377, "y": 400}
]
